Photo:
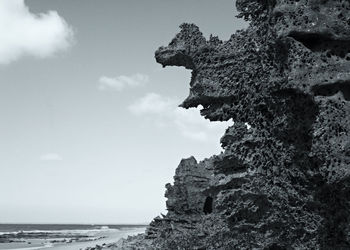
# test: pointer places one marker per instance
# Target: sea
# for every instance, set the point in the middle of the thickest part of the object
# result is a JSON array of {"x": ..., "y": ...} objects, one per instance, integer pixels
[{"x": 63, "y": 236}]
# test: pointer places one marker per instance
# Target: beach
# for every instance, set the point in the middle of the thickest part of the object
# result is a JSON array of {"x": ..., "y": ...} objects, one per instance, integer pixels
[{"x": 63, "y": 237}]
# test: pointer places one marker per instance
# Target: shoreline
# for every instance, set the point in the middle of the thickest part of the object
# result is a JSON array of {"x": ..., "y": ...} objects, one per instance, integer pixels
[{"x": 72, "y": 239}]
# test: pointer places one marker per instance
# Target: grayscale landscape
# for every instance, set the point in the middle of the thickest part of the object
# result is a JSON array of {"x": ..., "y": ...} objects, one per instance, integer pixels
[{"x": 175, "y": 125}]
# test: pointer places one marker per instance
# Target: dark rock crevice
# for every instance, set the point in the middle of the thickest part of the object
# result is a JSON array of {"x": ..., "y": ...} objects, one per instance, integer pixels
[
  {"x": 208, "y": 205},
  {"x": 331, "y": 89},
  {"x": 323, "y": 43}
]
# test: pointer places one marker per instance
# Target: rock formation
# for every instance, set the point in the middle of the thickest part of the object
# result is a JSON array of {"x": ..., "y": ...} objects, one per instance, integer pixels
[
  {"x": 187, "y": 201},
  {"x": 283, "y": 180}
]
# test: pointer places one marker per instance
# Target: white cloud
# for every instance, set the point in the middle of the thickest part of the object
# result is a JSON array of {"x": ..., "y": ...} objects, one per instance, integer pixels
[
  {"x": 51, "y": 157},
  {"x": 152, "y": 103},
  {"x": 121, "y": 82},
  {"x": 24, "y": 33},
  {"x": 164, "y": 112}
]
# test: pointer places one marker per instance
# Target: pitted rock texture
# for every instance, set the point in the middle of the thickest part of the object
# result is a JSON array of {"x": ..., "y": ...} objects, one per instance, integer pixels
[
  {"x": 187, "y": 201},
  {"x": 283, "y": 180},
  {"x": 186, "y": 196}
]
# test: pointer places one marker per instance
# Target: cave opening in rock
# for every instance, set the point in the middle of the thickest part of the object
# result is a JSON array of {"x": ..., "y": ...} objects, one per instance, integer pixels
[{"x": 208, "y": 205}]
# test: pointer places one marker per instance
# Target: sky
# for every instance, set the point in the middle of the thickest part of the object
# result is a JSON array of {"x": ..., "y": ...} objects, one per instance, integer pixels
[{"x": 90, "y": 128}]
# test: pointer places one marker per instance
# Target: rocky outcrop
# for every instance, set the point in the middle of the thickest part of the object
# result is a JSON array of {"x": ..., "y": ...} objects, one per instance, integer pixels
[
  {"x": 283, "y": 180},
  {"x": 187, "y": 201},
  {"x": 186, "y": 195}
]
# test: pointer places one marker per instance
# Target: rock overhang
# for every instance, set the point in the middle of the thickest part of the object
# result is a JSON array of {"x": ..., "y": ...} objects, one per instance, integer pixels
[
  {"x": 282, "y": 183},
  {"x": 214, "y": 88}
]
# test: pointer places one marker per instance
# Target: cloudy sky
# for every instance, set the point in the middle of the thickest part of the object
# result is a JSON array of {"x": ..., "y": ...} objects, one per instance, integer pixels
[{"x": 90, "y": 131}]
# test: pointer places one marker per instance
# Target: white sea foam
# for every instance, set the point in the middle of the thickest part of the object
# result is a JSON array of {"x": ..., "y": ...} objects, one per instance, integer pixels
[{"x": 48, "y": 245}]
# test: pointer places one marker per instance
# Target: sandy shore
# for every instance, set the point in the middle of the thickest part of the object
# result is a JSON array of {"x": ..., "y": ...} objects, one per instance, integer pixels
[{"x": 69, "y": 241}]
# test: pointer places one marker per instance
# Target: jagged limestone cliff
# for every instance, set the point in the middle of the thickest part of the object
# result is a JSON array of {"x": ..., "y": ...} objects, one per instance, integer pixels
[{"x": 283, "y": 181}]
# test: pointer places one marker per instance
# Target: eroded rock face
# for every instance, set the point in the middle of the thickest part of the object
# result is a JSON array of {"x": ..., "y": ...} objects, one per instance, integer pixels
[
  {"x": 186, "y": 196},
  {"x": 187, "y": 200},
  {"x": 284, "y": 182}
]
